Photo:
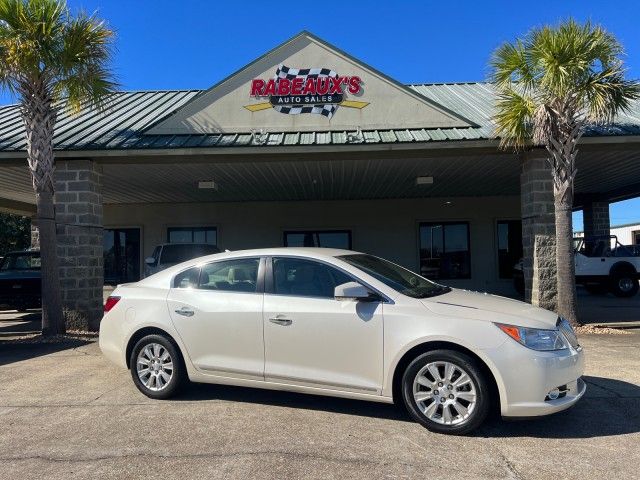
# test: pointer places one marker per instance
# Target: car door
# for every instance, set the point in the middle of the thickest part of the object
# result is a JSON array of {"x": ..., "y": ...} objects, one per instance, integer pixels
[
  {"x": 311, "y": 338},
  {"x": 219, "y": 316}
]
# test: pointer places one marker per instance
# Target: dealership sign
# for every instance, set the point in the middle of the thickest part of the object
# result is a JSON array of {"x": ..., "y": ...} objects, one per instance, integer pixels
[{"x": 294, "y": 91}]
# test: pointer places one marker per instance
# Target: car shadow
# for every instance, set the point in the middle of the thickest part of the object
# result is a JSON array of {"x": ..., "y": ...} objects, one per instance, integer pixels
[
  {"x": 609, "y": 408},
  {"x": 205, "y": 391}
]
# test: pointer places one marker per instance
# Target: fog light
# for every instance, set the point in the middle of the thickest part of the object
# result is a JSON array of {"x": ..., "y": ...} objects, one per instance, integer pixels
[{"x": 553, "y": 394}]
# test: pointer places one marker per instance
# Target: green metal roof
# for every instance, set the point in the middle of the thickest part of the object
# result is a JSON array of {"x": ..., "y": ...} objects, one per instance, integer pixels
[{"x": 122, "y": 125}]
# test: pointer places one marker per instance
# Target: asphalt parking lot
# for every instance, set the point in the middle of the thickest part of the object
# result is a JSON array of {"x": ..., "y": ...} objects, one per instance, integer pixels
[{"x": 67, "y": 413}]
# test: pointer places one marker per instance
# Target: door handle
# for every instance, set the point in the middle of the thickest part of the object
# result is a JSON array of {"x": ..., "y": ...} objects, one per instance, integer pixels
[
  {"x": 185, "y": 312},
  {"x": 281, "y": 320}
]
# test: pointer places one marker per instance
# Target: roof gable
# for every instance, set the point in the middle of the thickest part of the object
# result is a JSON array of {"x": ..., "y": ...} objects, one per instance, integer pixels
[{"x": 366, "y": 98}]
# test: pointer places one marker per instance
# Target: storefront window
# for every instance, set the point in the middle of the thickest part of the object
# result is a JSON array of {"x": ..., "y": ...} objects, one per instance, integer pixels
[
  {"x": 121, "y": 251},
  {"x": 192, "y": 235},
  {"x": 318, "y": 238},
  {"x": 444, "y": 250},
  {"x": 509, "y": 246}
]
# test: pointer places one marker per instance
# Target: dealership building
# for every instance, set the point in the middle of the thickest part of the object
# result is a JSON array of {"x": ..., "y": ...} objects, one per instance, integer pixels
[{"x": 309, "y": 146}]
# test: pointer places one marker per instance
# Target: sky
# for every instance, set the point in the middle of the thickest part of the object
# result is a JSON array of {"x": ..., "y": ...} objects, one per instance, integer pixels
[{"x": 188, "y": 44}]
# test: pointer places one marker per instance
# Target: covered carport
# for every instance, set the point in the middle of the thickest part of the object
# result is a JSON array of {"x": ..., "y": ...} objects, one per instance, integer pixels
[{"x": 354, "y": 179}]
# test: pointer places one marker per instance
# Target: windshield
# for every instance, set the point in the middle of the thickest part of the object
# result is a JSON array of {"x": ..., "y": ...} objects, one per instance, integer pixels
[
  {"x": 394, "y": 276},
  {"x": 26, "y": 261}
]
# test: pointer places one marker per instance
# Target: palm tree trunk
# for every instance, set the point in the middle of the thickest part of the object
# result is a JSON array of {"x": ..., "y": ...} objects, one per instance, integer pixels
[
  {"x": 39, "y": 117},
  {"x": 563, "y": 163},
  {"x": 567, "y": 297},
  {"x": 52, "y": 317}
]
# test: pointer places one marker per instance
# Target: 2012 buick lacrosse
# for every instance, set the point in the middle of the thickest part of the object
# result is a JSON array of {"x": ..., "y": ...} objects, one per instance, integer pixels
[{"x": 346, "y": 324}]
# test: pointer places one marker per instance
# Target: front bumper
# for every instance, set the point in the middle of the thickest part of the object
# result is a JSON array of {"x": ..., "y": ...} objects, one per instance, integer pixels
[{"x": 526, "y": 377}]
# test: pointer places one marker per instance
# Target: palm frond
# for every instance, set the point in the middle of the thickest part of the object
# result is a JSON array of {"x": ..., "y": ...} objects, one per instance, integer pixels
[
  {"x": 572, "y": 73},
  {"x": 42, "y": 44},
  {"x": 514, "y": 118}
]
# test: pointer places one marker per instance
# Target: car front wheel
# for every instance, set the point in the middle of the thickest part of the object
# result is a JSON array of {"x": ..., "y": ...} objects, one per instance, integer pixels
[
  {"x": 156, "y": 367},
  {"x": 446, "y": 392}
]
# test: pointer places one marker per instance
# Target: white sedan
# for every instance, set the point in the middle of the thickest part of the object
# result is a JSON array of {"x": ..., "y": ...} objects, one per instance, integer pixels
[{"x": 346, "y": 324}]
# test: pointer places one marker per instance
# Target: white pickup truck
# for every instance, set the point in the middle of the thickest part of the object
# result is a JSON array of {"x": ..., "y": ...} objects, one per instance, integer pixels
[{"x": 602, "y": 264}]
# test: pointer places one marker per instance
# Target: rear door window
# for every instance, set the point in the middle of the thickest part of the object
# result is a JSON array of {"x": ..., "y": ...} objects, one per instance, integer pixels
[{"x": 237, "y": 275}]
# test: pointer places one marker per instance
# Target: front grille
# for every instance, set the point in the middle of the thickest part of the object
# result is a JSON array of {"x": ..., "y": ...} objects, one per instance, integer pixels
[{"x": 567, "y": 331}]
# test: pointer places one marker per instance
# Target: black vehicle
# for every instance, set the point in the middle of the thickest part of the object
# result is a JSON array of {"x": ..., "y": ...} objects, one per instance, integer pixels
[{"x": 20, "y": 280}]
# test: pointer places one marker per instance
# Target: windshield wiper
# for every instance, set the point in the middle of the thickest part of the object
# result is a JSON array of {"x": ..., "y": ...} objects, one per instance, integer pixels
[{"x": 441, "y": 290}]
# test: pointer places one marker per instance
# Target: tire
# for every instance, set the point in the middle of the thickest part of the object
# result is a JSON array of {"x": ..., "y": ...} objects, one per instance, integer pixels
[
  {"x": 155, "y": 384},
  {"x": 475, "y": 398},
  {"x": 624, "y": 284}
]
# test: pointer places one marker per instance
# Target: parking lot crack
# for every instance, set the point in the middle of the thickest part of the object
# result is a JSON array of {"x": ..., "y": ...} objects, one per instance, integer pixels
[
  {"x": 511, "y": 468},
  {"x": 195, "y": 456}
]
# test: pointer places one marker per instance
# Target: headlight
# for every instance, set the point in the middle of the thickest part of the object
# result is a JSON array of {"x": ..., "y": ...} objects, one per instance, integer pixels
[{"x": 535, "y": 338}]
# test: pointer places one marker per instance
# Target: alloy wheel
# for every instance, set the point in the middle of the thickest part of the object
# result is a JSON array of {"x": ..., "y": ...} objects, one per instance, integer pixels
[
  {"x": 445, "y": 393},
  {"x": 154, "y": 367}
]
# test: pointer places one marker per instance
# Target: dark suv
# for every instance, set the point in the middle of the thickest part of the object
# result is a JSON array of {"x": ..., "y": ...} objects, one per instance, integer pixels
[{"x": 20, "y": 280}]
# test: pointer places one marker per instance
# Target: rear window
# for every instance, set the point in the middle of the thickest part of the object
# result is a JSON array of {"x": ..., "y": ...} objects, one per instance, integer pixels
[{"x": 177, "y": 253}]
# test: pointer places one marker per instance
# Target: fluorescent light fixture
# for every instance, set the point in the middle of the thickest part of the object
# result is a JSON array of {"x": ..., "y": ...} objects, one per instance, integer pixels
[
  {"x": 208, "y": 184},
  {"x": 424, "y": 180}
]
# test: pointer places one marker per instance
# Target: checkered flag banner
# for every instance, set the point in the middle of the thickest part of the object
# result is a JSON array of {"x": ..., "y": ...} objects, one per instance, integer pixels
[{"x": 290, "y": 73}]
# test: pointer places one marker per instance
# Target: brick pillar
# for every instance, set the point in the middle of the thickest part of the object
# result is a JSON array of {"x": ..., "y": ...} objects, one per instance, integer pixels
[
  {"x": 538, "y": 231},
  {"x": 596, "y": 219},
  {"x": 80, "y": 236}
]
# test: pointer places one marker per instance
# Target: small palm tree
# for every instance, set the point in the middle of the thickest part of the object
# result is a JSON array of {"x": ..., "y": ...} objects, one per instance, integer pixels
[
  {"x": 51, "y": 60},
  {"x": 550, "y": 85}
]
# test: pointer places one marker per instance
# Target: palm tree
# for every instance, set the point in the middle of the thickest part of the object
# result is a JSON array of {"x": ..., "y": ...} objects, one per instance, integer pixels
[
  {"x": 550, "y": 85},
  {"x": 51, "y": 60}
]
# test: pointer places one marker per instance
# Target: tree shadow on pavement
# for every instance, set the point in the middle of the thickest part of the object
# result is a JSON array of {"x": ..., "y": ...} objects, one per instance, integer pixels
[
  {"x": 609, "y": 407},
  {"x": 17, "y": 323},
  {"x": 12, "y": 351}
]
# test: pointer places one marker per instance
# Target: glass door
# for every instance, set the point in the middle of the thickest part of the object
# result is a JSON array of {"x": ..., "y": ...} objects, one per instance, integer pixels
[{"x": 121, "y": 250}]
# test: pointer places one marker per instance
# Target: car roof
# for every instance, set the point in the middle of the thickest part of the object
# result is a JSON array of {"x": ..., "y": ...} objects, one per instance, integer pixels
[
  {"x": 311, "y": 252},
  {"x": 185, "y": 243}
]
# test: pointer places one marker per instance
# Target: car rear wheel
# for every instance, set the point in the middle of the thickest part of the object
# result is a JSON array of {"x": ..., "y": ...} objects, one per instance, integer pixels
[
  {"x": 446, "y": 392},
  {"x": 157, "y": 368}
]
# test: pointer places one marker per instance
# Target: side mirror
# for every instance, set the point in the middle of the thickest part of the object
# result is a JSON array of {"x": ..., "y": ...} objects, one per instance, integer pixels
[
  {"x": 354, "y": 291},
  {"x": 150, "y": 261}
]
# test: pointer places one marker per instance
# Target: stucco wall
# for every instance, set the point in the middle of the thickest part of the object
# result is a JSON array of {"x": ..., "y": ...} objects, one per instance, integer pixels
[{"x": 388, "y": 228}]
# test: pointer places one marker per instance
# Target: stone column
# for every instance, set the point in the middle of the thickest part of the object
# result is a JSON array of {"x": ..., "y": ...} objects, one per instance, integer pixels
[
  {"x": 538, "y": 230},
  {"x": 80, "y": 237},
  {"x": 596, "y": 219}
]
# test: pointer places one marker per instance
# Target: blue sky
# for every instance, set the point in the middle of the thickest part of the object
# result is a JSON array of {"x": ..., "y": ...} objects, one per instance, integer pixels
[{"x": 192, "y": 44}]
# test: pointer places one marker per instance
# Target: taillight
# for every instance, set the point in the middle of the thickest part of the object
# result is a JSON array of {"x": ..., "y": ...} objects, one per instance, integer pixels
[{"x": 110, "y": 303}]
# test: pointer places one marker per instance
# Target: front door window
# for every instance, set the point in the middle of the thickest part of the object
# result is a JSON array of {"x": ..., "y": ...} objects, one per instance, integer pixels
[{"x": 306, "y": 278}]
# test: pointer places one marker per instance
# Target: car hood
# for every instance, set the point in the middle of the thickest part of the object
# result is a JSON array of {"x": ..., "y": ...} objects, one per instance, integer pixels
[{"x": 493, "y": 308}]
